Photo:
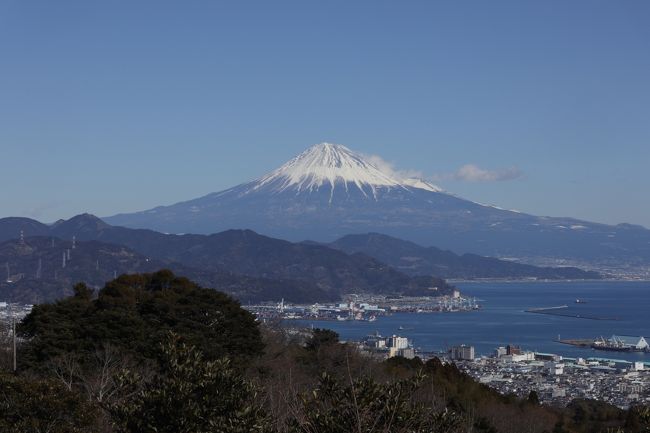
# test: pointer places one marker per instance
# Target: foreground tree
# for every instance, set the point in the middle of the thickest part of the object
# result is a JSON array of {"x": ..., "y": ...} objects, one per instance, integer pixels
[
  {"x": 42, "y": 406},
  {"x": 190, "y": 395},
  {"x": 367, "y": 406}
]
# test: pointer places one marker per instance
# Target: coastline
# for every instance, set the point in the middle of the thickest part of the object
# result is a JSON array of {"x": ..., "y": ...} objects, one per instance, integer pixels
[{"x": 538, "y": 280}]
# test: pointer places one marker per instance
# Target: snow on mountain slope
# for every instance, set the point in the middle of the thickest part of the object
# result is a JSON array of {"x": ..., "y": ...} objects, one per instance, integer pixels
[
  {"x": 331, "y": 166},
  {"x": 422, "y": 184}
]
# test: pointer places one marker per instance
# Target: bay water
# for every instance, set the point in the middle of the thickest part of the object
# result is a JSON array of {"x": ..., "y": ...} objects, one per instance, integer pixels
[{"x": 503, "y": 320}]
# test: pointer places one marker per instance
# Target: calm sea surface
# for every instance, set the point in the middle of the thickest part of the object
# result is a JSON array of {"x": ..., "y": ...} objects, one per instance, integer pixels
[{"x": 502, "y": 319}]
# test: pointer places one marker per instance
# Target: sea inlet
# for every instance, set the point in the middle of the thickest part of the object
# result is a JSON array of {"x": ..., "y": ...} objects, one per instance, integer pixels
[{"x": 503, "y": 318}]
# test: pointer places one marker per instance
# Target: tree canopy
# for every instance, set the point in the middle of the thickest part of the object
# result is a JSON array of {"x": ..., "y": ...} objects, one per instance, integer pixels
[
  {"x": 42, "y": 406},
  {"x": 134, "y": 313},
  {"x": 189, "y": 394}
]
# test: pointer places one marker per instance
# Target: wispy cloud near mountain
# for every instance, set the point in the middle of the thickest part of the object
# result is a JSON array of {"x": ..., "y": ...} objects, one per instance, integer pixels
[
  {"x": 466, "y": 173},
  {"x": 390, "y": 169},
  {"x": 474, "y": 173}
]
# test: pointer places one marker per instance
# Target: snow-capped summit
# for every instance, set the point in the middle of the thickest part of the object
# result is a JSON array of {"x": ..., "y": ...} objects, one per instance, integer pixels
[
  {"x": 333, "y": 166},
  {"x": 326, "y": 164}
]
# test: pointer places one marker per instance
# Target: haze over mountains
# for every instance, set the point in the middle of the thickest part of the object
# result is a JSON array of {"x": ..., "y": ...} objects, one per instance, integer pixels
[
  {"x": 329, "y": 191},
  {"x": 245, "y": 264},
  {"x": 413, "y": 259},
  {"x": 44, "y": 265},
  {"x": 36, "y": 273}
]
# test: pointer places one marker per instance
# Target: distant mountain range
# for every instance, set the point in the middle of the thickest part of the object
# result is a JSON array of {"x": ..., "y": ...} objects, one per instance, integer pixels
[
  {"x": 413, "y": 259},
  {"x": 250, "y": 266}
]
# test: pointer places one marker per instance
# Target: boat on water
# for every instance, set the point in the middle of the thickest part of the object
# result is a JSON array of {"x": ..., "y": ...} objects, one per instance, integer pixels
[
  {"x": 580, "y": 301},
  {"x": 622, "y": 343},
  {"x": 404, "y": 328},
  {"x": 613, "y": 348}
]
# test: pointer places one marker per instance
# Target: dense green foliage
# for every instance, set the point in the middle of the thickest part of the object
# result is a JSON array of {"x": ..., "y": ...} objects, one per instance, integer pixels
[
  {"x": 133, "y": 314},
  {"x": 189, "y": 394},
  {"x": 367, "y": 406},
  {"x": 42, "y": 406},
  {"x": 321, "y": 337}
]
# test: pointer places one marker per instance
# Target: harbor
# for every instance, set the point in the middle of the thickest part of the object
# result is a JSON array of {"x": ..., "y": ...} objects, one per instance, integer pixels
[
  {"x": 501, "y": 318},
  {"x": 364, "y": 308}
]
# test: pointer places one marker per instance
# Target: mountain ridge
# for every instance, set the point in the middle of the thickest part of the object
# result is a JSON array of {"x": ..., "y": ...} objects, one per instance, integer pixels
[
  {"x": 212, "y": 251},
  {"x": 324, "y": 272},
  {"x": 39, "y": 275},
  {"x": 414, "y": 259}
]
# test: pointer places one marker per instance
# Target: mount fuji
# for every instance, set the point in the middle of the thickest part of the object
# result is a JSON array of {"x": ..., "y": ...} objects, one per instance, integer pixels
[{"x": 329, "y": 191}]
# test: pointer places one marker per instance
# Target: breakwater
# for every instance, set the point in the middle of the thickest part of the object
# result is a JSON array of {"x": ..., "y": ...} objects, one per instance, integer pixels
[
  {"x": 581, "y": 342},
  {"x": 560, "y": 310}
]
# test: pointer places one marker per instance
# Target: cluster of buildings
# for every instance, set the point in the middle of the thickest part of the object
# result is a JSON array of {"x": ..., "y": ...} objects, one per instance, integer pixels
[
  {"x": 454, "y": 302},
  {"x": 388, "y": 347},
  {"x": 620, "y": 271},
  {"x": 364, "y": 307},
  {"x": 339, "y": 311},
  {"x": 558, "y": 380},
  {"x": 13, "y": 311}
]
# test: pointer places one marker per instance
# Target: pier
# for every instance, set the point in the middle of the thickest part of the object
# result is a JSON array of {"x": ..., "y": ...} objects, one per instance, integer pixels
[
  {"x": 578, "y": 342},
  {"x": 543, "y": 309}
]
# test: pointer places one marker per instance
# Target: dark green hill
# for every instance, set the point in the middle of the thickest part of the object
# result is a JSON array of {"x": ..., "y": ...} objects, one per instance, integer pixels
[
  {"x": 11, "y": 227},
  {"x": 34, "y": 272},
  {"x": 245, "y": 252},
  {"x": 248, "y": 253},
  {"x": 134, "y": 314}
]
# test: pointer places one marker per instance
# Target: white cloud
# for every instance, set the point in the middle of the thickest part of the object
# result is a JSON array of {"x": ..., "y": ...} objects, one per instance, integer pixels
[
  {"x": 466, "y": 173},
  {"x": 389, "y": 168},
  {"x": 474, "y": 173}
]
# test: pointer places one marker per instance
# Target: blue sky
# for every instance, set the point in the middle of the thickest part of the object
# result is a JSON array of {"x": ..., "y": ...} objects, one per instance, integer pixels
[{"x": 117, "y": 106}]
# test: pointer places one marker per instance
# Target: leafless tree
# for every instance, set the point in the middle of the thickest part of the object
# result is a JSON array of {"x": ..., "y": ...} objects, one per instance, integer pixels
[
  {"x": 66, "y": 369},
  {"x": 99, "y": 378}
]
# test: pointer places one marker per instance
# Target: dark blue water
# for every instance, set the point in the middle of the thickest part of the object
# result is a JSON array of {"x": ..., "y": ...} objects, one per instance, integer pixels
[{"x": 502, "y": 319}]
